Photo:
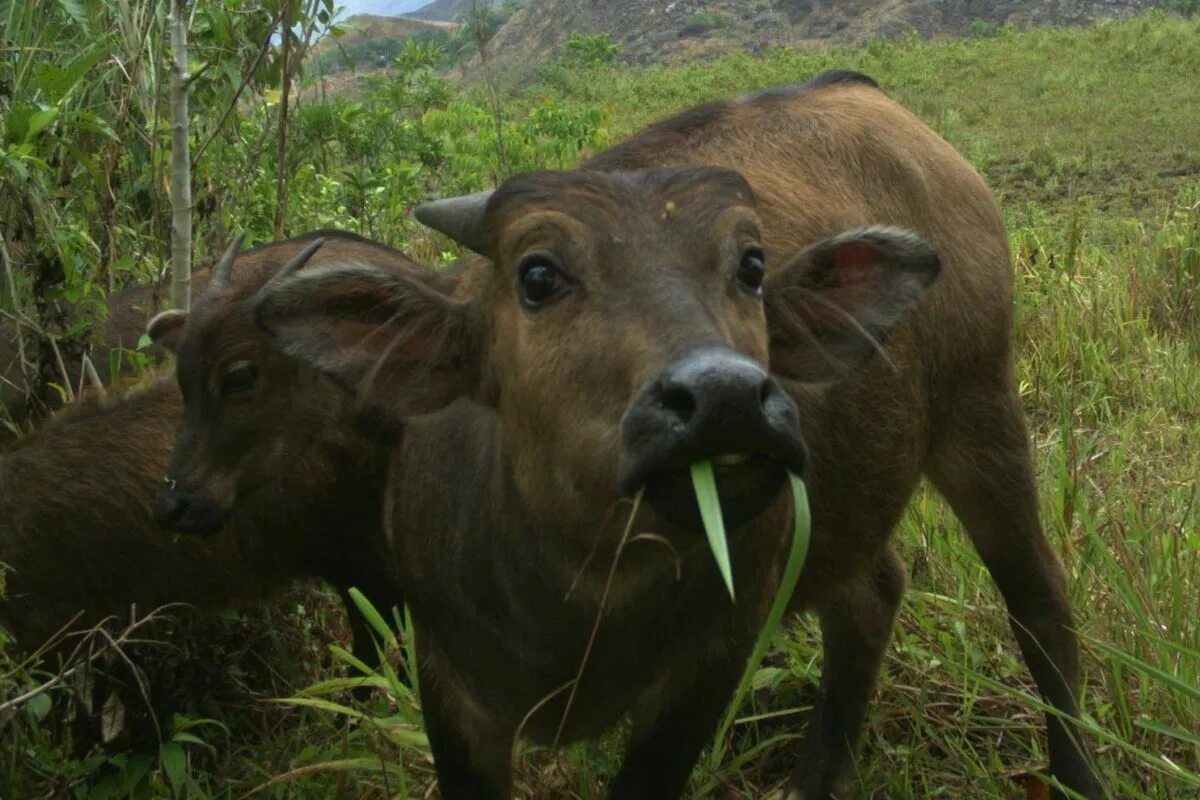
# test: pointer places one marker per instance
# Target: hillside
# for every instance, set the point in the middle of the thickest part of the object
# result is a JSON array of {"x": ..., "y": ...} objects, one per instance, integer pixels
[
  {"x": 448, "y": 10},
  {"x": 369, "y": 42},
  {"x": 679, "y": 30},
  {"x": 380, "y": 8}
]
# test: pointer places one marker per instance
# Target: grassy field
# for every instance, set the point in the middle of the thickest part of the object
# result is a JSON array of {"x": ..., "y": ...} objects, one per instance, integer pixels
[{"x": 1091, "y": 138}]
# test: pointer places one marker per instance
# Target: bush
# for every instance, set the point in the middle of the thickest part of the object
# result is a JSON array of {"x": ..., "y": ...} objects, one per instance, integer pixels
[
  {"x": 703, "y": 22},
  {"x": 1185, "y": 7},
  {"x": 983, "y": 29},
  {"x": 588, "y": 51}
]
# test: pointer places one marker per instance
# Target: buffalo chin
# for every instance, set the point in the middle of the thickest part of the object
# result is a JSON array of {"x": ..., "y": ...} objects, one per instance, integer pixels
[{"x": 746, "y": 490}]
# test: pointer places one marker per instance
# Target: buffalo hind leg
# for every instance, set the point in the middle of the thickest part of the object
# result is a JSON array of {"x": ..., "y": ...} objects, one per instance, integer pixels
[
  {"x": 856, "y": 626},
  {"x": 982, "y": 465}
]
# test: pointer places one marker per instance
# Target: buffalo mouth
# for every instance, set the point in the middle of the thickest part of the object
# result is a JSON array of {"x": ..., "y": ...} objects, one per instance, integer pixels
[
  {"x": 713, "y": 404},
  {"x": 747, "y": 485},
  {"x": 190, "y": 513}
]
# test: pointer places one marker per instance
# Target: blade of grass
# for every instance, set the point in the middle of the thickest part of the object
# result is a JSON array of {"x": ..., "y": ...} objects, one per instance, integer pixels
[
  {"x": 373, "y": 617},
  {"x": 705, "y": 484},
  {"x": 791, "y": 573}
]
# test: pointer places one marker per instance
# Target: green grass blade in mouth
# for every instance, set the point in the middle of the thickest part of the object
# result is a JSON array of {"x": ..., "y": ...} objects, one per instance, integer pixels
[
  {"x": 705, "y": 484},
  {"x": 801, "y": 532}
]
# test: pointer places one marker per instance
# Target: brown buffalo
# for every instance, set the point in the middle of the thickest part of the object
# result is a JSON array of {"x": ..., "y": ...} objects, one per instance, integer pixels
[
  {"x": 254, "y": 417},
  {"x": 251, "y": 412},
  {"x": 77, "y": 509},
  {"x": 78, "y": 534},
  {"x": 619, "y": 324}
]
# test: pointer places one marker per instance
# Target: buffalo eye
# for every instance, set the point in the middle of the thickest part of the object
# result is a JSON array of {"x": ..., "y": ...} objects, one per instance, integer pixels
[
  {"x": 239, "y": 378},
  {"x": 539, "y": 281},
  {"x": 750, "y": 271}
]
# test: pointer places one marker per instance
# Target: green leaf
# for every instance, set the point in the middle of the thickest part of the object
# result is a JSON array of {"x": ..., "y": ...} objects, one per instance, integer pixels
[
  {"x": 39, "y": 706},
  {"x": 183, "y": 737},
  {"x": 144, "y": 341},
  {"x": 55, "y": 81},
  {"x": 373, "y": 617},
  {"x": 1184, "y": 687},
  {"x": 174, "y": 764},
  {"x": 801, "y": 534},
  {"x": 76, "y": 12},
  {"x": 323, "y": 705},
  {"x": 351, "y": 659},
  {"x": 705, "y": 484},
  {"x": 38, "y": 121},
  {"x": 16, "y": 123},
  {"x": 1168, "y": 730}
]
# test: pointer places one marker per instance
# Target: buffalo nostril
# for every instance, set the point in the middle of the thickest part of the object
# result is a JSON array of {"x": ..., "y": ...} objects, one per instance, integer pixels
[
  {"x": 765, "y": 391},
  {"x": 171, "y": 508},
  {"x": 680, "y": 402}
]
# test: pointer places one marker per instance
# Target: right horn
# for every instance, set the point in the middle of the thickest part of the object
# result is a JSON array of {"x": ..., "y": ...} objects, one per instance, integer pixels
[{"x": 460, "y": 218}]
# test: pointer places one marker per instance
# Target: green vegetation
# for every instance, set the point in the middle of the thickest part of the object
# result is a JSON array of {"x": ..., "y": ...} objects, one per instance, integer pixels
[
  {"x": 374, "y": 53},
  {"x": 1089, "y": 136},
  {"x": 581, "y": 50},
  {"x": 702, "y": 22}
]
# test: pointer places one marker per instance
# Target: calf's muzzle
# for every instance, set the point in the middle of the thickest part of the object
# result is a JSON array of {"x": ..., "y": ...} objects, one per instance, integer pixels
[
  {"x": 189, "y": 512},
  {"x": 711, "y": 404}
]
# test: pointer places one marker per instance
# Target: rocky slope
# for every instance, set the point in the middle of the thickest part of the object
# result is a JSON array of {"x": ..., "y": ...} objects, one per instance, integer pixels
[
  {"x": 447, "y": 10},
  {"x": 672, "y": 30}
]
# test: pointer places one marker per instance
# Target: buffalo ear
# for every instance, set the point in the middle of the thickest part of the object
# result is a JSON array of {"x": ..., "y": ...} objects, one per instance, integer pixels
[
  {"x": 832, "y": 306},
  {"x": 400, "y": 347},
  {"x": 165, "y": 328}
]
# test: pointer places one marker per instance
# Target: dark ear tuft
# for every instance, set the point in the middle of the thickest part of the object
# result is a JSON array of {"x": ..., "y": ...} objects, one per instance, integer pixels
[{"x": 836, "y": 302}]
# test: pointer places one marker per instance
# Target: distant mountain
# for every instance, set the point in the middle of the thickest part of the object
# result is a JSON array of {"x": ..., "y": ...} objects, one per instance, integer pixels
[
  {"x": 380, "y": 8},
  {"x": 448, "y": 10},
  {"x": 682, "y": 30},
  {"x": 532, "y": 32}
]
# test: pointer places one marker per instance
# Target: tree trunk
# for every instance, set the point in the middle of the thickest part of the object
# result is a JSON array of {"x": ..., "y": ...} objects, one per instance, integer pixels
[
  {"x": 181, "y": 163},
  {"x": 281, "y": 185},
  {"x": 477, "y": 20}
]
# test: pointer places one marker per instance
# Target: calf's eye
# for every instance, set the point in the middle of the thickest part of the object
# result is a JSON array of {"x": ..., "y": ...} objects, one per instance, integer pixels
[
  {"x": 540, "y": 281},
  {"x": 239, "y": 378},
  {"x": 751, "y": 271}
]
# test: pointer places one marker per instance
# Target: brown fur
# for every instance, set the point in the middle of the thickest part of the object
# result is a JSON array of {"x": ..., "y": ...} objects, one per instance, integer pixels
[
  {"x": 78, "y": 535},
  {"x": 501, "y": 496},
  {"x": 837, "y": 156},
  {"x": 293, "y": 418},
  {"x": 78, "y": 531}
]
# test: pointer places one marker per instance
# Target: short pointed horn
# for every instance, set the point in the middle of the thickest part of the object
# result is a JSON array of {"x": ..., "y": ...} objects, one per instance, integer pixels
[
  {"x": 460, "y": 218},
  {"x": 292, "y": 267},
  {"x": 221, "y": 272}
]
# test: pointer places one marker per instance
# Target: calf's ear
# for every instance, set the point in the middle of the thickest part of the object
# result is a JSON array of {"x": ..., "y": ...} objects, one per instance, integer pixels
[
  {"x": 165, "y": 328},
  {"x": 835, "y": 303},
  {"x": 397, "y": 345}
]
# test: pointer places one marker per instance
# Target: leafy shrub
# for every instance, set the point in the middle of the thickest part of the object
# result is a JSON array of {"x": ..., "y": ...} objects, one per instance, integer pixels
[
  {"x": 1185, "y": 7},
  {"x": 585, "y": 50},
  {"x": 703, "y": 22},
  {"x": 983, "y": 29}
]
